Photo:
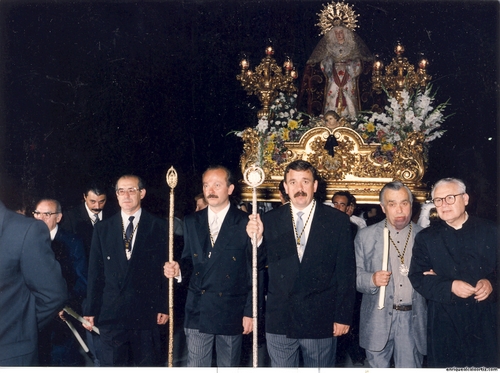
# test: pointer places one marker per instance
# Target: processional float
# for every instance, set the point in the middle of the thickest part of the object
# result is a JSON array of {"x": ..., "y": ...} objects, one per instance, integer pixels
[{"x": 387, "y": 115}]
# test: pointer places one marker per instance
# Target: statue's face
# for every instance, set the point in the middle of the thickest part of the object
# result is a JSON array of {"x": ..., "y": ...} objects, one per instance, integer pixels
[{"x": 339, "y": 34}]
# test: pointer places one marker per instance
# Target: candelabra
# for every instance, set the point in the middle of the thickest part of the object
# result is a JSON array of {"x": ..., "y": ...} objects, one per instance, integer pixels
[
  {"x": 399, "y": 74},
  {"x": 267, "y": 80}
]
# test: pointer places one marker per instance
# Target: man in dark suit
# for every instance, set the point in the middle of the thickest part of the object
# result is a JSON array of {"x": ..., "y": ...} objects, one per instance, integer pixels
[
  {"x": 127, "y": 292},
  {"x": 32, "y": 288},
  {"x": 343, "y": 201},
  {"x": 81, "y": 221},
  {"x": 308, "y": 249},
  {"x": 57, "y": 345},
  {"x": 216, "y": 261}
]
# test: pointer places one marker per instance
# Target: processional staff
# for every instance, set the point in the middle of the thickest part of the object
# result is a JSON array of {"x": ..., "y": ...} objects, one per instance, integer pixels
[
  {"x": 172, "y": 183},
  {"x": 254, "y": 176}
]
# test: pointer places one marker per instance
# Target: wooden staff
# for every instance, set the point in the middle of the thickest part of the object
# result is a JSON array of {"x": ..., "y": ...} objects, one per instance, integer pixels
[
  {"x": 254, "y": 176},
  {"x": 172, "y": 183}
]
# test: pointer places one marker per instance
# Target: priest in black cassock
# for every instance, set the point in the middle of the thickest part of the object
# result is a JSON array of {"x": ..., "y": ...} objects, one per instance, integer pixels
[{"x": 454, "y": 267}]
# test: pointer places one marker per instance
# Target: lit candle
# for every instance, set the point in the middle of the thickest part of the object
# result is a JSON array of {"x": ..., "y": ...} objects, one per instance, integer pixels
[
  {"x": 423, "y": 64},
  {"x": 377, "y": 65},
  {"x": 399, "y": 49},
  {"x": 385, "y": 260},
  {"x": 244, "y": 64},
  {"x": 269, "y": 51},
  {"x": 294, "y": 73}
]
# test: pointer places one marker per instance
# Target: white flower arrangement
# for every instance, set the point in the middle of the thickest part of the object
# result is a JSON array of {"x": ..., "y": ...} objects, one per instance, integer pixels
[{"x": 412, "y": 113}]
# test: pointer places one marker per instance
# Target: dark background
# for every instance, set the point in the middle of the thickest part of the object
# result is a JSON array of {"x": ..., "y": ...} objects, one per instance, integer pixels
[{"x": 97, "y": 89}]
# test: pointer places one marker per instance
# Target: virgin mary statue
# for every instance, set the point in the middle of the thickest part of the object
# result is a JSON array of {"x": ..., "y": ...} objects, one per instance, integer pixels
[{"x": 331, "y": 77}]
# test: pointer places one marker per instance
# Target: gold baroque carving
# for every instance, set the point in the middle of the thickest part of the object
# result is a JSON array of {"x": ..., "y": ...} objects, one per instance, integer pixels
[{"x": 353, "y": 167}]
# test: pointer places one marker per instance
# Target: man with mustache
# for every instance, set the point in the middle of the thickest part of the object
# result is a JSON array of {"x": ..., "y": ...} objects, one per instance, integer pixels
[
  {"x": 308, "y": 249},
  {"x": 216, "y": 262},
  {"x": 399, "y": 328},
  {"x": 80, "y": 221}
]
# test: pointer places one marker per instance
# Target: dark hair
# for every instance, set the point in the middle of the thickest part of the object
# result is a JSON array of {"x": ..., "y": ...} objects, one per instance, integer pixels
[
  {"x": 282, "y": 190},
  {"x": 394, "y": 185},
  {"x": 129, "y": 176},
  {"x": 199, "y": 196},
  {"x": 229, "y": 175},
  {"x": 96, "y": 188},
  {"x": 300, "y": 165},
  {"x": 351, "y": 200}
]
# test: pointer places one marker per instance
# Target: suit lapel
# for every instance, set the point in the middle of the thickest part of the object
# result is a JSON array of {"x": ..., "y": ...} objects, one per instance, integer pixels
[
  {"x": 289, "y": 246},
  {"x": 223, "y": 237},
  {"x": 315, "y": 234},
  {"x": 201, "y": 229},
  {"x": 117, "y": 244}
]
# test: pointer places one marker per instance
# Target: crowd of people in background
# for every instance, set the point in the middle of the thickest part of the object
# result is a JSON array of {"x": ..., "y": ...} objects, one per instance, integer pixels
[{"x": 324, "y": 292}]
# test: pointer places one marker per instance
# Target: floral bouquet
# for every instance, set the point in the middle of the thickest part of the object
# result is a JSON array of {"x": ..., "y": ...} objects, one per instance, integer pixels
[
  {"x": 412, "y": 113},
  {"x": 285, "y": 123}
]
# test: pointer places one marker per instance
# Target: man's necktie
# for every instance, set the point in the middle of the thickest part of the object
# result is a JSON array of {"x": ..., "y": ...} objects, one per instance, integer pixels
[
  {"x": 214, "y": 229},
  {"x": 128, "y": 237},
  {"x": 130, "y": 228},
  {"x": 300, "y": 239},
  {"x": 96, "y": 218}
]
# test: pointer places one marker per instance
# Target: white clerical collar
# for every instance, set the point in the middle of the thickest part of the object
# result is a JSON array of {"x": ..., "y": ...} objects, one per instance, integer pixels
[
  {"x": 53, "y": 233},
  {"x": 461, "y": 225}
]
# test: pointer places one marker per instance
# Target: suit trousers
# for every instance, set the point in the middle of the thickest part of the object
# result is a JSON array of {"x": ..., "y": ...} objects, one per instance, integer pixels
[
  {"x": 94, "y": 345},
  {"x": 200, "y": 347},
  {"x": 316, "y": 353},
  {"x": 129, "y": 347},
  {"x": 400, "y": 343}
]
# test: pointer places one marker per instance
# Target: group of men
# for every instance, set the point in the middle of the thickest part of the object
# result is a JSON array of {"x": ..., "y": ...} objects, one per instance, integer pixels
[
  {"x": 315, "y": 263},
  {"x": 438, "y": 293}
]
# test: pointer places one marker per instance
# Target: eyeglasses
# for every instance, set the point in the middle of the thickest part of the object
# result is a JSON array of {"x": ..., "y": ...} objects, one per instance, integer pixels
[
  {"x": 44, "y": 214},
  {"x": 450, "y": 200},
  {"x": 130, "y": 191}
]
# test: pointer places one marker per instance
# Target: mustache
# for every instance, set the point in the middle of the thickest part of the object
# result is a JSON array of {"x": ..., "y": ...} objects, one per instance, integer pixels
[
  {"x": 96, "y": 210},
  {"x": 212, "y": 196},
  {"x": 300, "y": 193}
]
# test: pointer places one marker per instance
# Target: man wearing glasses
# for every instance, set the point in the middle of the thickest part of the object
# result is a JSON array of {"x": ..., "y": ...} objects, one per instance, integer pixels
[
  {"x": 454, "y": 267},
  {"x": 127, "y": 292},
  {"x": 57, "y": 345}
]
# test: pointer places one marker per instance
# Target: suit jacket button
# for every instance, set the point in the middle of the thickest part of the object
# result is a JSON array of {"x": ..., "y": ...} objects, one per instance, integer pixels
[
  {"x": 203, "y": 291},
  {"x": 197, "y": 273},
  {"x": 195, "y": 255},
  {"x": 234, "y": 258},
  {"x": 220, "y": 294}
]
